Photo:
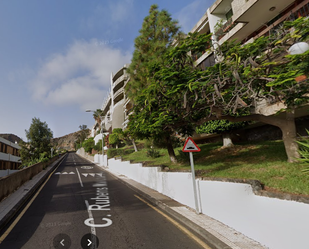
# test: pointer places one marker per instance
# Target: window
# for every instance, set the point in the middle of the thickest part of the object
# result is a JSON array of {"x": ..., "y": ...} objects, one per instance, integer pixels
[
  {"x": 229, "y": 14},
  {"x": 208, "y": 62}
]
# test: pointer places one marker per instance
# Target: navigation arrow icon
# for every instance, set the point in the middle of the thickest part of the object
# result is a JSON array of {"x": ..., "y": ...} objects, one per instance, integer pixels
[
  {"x": 89, "y": 242},
  {"x": 61, "y": 242}
]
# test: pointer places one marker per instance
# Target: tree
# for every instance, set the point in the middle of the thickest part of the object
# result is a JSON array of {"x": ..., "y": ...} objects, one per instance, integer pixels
[
  {"x": 88, "y": 144},
  {"x": 231, "y": 90},
  {"x": 81, "y": 136},
  {"x": 97, "y": 115},
  {"x": 158, "y": 33},
  {"x": 38, "y": 143},
  {"x": 116, "y": 137},
  {"x": 259, "y": 72}
]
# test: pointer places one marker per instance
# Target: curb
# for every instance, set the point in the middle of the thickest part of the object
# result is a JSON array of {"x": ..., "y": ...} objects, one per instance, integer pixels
[{"x": 12, "y": 212}]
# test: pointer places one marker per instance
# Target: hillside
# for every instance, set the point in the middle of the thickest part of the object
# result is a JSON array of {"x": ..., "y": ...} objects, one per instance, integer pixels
[
  {"x": 11, "y": 137},
  {"x": 66, "y": 142}
]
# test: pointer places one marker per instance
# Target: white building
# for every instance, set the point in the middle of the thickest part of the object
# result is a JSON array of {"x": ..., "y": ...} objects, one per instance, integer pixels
[{"x": 114, "y": 108}]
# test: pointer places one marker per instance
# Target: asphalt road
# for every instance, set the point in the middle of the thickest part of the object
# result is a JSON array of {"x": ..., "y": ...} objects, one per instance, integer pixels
[{"x": 81, "y": 200}]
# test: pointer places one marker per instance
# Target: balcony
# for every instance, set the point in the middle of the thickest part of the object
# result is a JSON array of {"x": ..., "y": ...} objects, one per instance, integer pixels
[
  {"x": 106, "y": 104},
  {"x": 224, "y": 28},
  {"x": 290, "y": 14},
  {"x": 119, "y": 95},
  {"x": 119, "y": 73},
  {"x": 219, "y": 7},
  {"x": 253, "y": 22},
  {"x": 119, "y": 80}
]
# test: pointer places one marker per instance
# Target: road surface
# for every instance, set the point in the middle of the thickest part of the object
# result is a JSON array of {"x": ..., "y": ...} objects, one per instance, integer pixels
[{"x": 83, "y": 206}]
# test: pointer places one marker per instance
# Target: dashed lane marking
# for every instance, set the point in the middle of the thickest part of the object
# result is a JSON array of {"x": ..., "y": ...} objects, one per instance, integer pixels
[
  {"x": 65, "y": 173},
  {"x": 92, "y": 174}
]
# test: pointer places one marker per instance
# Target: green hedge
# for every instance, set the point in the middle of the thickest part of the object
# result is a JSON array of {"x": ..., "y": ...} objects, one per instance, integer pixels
[{"x": 118, "y": 152}]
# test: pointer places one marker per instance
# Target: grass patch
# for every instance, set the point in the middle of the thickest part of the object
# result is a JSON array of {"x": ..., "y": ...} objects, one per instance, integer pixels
[{"x": 264, "y": 161}]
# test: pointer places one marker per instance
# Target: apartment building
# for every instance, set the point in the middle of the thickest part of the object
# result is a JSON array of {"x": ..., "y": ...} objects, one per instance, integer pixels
[
  {"x": 9, "y": 155},
  {"x": 244, "y": 20},
  {"x": 114, "y": 108}
]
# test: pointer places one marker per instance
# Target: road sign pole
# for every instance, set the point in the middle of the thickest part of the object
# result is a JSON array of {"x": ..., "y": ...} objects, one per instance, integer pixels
[{"x": 194, "y": 183}]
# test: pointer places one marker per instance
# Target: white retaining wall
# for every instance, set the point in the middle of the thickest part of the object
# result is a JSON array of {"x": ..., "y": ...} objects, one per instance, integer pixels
[
  {"x": 276, "y": 223},
  {"x": 101, "y": 160}
]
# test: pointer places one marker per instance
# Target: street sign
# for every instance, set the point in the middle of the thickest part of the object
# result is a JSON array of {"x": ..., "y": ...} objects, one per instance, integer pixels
[{"x": 190, "y": 146}]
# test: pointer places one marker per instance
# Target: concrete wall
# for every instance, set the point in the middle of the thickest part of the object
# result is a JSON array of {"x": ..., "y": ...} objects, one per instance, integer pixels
[
  {"x": 10, "y": 183},
  {"x": 276, "y": 223},
  {"x": 82, "y": 153},
  {"x": 118, "y": 115},
  {"x": 7, "y": 172},
  {"x": 101, "y": 160}
]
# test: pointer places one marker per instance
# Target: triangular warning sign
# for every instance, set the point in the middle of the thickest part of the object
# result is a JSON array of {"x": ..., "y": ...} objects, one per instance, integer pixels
[{"x": 190, "y": 146}]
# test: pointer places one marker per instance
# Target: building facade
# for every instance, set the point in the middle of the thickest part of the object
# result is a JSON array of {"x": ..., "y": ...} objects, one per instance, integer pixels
[
  {"x": 114, "y": 108},
  {"x": 9, "y": 155}
]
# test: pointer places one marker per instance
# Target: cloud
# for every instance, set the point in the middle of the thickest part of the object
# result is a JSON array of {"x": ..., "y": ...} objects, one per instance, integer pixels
[
  {"x": 192, "y": 13},
  {"x": 80, "y": 76},
  {"x": 112, "y": 14}
]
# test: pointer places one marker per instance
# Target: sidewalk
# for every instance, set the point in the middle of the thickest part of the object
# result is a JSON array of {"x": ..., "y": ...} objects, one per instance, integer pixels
[{"x": 217, "y": 234}]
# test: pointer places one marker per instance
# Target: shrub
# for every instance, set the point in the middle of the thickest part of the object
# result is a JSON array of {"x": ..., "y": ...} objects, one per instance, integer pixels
[
  {"x": 118, "y": 152},
  {"x": 88, "y": 144},
  {"x": 98, "y": 146},
  {"x": 153, "y": 153},
  {"x": 112, "y": 153}
]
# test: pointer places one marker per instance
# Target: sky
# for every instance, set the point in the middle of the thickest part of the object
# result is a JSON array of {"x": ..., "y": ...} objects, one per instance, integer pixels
[{"x": 56, "y": 57}]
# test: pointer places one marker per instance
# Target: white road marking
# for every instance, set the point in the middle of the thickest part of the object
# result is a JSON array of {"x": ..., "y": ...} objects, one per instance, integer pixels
[
  {"x": 64, "y": 173},
  {"x": 80, "y": 179},
  {"x": 71, "y": 173},
  {"x": 86, "y": 167},
  {"x": 58, "y": 173},
  {"x": 90, "y": 216},
  {"x": 92, "y": 174}
]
